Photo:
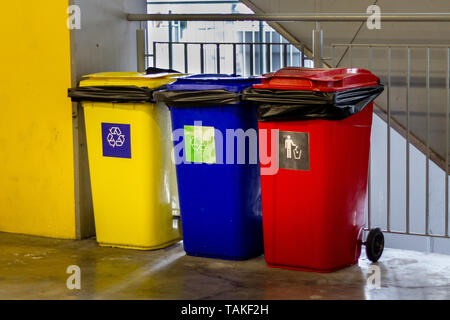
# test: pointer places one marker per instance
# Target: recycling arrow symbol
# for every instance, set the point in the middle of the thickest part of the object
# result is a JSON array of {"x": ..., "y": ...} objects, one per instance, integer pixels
[{"x": 115, "y": 137}]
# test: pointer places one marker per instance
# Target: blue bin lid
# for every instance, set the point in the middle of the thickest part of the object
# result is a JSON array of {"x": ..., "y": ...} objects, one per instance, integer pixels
[{"x": 232, "y": 83}]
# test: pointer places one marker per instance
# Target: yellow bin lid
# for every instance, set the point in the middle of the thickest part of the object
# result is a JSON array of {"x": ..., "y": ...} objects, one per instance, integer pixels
[{"x": 141, "y": 80}]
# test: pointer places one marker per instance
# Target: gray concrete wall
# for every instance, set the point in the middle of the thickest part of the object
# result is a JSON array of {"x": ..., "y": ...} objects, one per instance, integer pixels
[{"x": 106, "y": 42}]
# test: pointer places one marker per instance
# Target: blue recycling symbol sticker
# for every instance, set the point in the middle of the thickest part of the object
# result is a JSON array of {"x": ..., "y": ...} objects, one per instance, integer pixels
[{"x": 116, "y": 140}]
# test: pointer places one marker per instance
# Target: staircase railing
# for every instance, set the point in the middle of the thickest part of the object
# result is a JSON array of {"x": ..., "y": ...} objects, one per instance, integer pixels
[{"x": 395, "y": 108}]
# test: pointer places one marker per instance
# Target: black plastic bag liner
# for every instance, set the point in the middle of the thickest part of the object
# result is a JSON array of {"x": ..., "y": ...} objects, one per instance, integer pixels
[
  {"x": 154, "y": 70},
  {"x": 197, "y": 98},
  {"x": 111, "y": 94},
  {"x": 293, "y": 105}
]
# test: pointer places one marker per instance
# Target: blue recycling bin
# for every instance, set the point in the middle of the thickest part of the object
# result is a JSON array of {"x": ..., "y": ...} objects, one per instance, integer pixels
[{"x": 219, "y": 192}]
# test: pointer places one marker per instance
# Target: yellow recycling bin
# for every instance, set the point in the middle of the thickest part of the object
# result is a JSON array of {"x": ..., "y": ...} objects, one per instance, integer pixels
[{"x": 133, "y": 178}]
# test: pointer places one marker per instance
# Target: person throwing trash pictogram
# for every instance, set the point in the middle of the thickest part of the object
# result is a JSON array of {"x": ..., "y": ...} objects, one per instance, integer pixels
[{"x": 288, "y": 145}]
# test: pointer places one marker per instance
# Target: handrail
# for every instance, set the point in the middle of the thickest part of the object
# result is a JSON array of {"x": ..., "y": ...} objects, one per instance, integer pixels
[{"x": 312, "y": 17}]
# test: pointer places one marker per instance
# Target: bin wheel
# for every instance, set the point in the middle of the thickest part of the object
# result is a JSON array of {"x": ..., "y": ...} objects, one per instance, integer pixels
[{"x": 374, "y": 244}]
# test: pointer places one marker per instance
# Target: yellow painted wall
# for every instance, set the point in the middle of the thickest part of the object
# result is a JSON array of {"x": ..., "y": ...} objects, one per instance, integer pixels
[{"x": 36, "y": 144}]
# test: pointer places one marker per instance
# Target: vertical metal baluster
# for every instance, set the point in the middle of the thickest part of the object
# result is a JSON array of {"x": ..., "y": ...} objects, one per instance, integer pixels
[
  {"x": 170, "y": 43},
  {"x": 260, "y": 47},
  {"x": 351, "y": 56},
  {"x": 408, "y": 138},
  {"x": 427, "y": 185},
  {"x": 186, "y": 68},
  {"x": 154, "y": 54},
  {"x": 290, "y": 54},
  {"x": 251, "y": 60},
  {"x": 333, "y": 63},
  {"x": 447, "y": 130},
  {"x": 244, "y": 59},
  {"x": 141, "y": 48},
  {"x": 369, "y": 178},
  {"x": 268, "y": 60},
  {"x": 303, "y": 54},
  {"x": 285, "y": 64},
  {"x": 388, "y": 181},
  {"x": 170, "y": 55},
  {"x": 280, "y": 54},
  {"x": 234, "y": 59},
  {"x": 218, "y": 57},
  {"x": 202, "y": 58},
  {"x": 369, "y": 190}
]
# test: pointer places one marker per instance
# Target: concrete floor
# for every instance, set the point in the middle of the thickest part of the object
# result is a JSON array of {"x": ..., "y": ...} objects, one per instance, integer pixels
[{"x": 35, "y": 268}]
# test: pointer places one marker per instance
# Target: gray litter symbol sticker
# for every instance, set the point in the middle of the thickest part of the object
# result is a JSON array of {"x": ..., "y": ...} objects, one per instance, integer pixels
[{"x": 293, "y": 150}]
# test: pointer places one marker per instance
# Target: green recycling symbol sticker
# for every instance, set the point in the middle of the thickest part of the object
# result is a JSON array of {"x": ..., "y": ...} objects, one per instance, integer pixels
[{"x": 200, "y": 145}]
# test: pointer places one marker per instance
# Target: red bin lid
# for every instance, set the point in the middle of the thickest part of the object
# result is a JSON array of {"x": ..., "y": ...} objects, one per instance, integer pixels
[{"x": 293, "y": 78}]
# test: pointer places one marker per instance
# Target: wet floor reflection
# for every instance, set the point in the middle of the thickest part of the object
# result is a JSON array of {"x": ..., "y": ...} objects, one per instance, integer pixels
[{"x": 35, "y": 268}]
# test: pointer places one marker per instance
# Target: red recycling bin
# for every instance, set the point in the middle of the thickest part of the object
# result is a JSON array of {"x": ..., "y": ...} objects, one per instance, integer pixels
[{"x": 313, "y": 206}]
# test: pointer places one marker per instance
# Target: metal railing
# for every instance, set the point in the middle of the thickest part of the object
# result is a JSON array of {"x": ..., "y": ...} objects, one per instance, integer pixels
[
  {"x": 388, "y": 113},
  {"x": 385, "y": 52},
  {"x": 262, "y": 56},
  {"x": 390, "y": 116},
  {"x": 311, "y": 17}
]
